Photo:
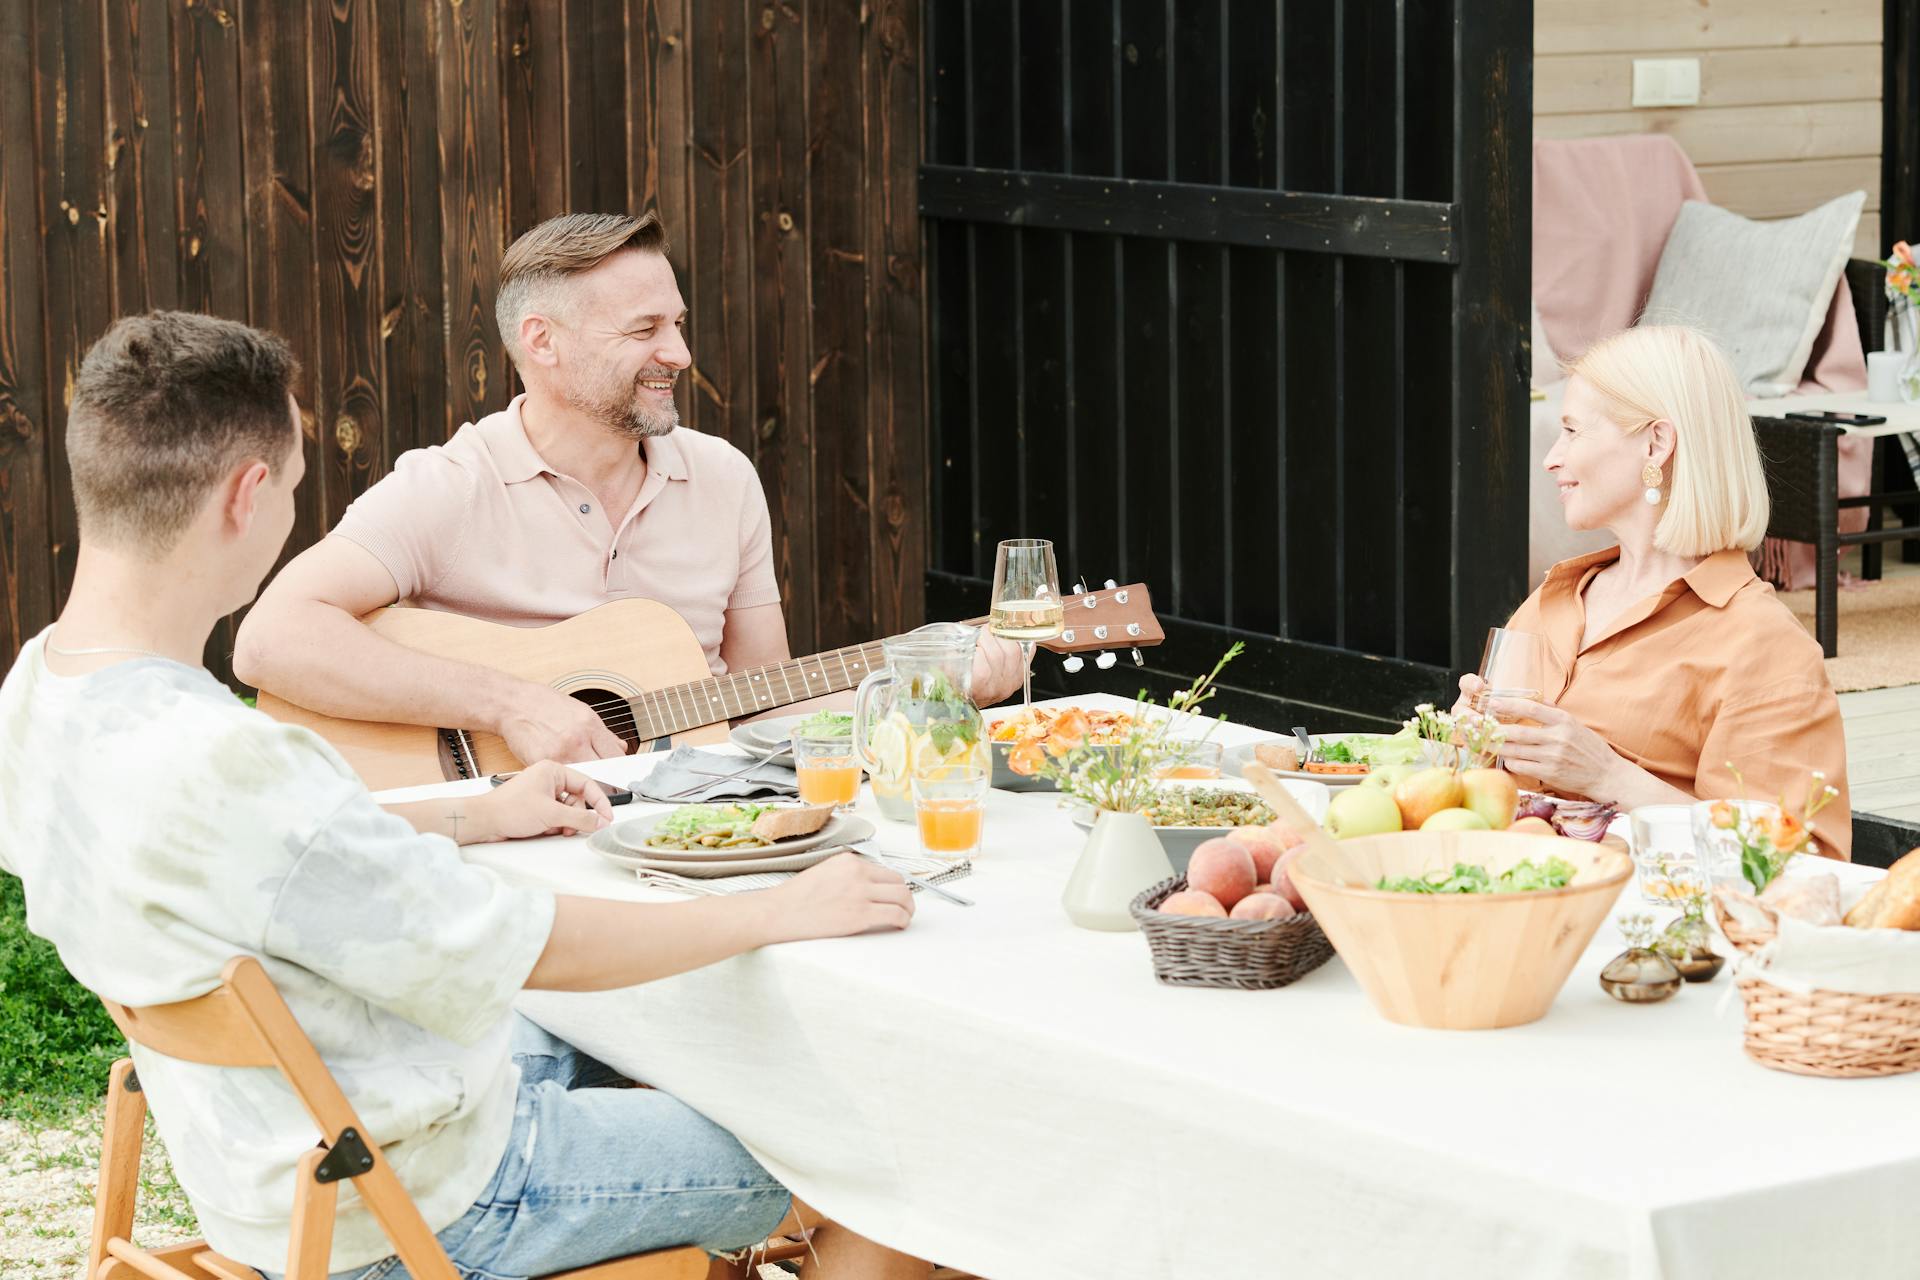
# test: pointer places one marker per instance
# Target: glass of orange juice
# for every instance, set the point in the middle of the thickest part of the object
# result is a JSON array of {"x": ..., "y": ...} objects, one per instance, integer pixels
[
  {"x": 827, "y": 769},
  {"x": 950, "y": 805},
  {"x": 1190, "y": 760}
]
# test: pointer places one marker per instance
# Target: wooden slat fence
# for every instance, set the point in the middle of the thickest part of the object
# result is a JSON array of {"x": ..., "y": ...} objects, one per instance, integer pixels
[{"x": 348, "y": 173}]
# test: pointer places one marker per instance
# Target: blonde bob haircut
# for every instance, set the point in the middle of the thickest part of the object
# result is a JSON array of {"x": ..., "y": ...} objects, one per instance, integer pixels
[{"x": 1717, "y": 492}]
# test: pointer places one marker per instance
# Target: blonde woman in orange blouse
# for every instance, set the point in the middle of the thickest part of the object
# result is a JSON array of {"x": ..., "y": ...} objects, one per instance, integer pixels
[{"x": 1669, "y": 660}]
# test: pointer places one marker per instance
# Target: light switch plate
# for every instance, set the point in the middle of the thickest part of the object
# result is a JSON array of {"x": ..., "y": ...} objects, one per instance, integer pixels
[{"x": 1666, "y": 82}]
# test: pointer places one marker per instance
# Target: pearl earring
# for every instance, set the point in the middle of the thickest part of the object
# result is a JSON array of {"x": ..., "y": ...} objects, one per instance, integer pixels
[{"x": 1652, "y": 477}]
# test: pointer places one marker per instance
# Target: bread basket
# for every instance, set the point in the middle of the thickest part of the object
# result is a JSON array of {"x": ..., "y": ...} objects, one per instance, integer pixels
[{"x": 1838, "y": 1034}]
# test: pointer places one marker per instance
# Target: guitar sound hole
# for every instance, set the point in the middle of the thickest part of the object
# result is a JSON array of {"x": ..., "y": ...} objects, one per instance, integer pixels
[{"x": 614, "y": 713}]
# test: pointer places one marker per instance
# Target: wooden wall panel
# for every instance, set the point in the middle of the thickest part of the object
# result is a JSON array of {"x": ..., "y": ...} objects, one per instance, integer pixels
[
  {"x": 1789, "y": 113},
  {"x": 348, "y": 173},
  {"x": 26, "y": 559}
]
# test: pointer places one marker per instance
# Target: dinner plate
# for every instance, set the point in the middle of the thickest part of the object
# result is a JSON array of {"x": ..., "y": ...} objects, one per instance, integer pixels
[
  {"x": 632, "y": 834},
  {"x": 757, "y": 736},
  {"x": 602, "y": 843},
  {"x": 1233, "y": 759}
]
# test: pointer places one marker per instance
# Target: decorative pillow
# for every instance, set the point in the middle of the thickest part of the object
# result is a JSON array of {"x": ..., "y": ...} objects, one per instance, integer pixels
[{"x": 1761, "y": 289}]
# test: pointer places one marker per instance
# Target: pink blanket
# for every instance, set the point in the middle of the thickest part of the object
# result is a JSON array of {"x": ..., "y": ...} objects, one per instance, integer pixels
[{"x": 1602, "y": 208}]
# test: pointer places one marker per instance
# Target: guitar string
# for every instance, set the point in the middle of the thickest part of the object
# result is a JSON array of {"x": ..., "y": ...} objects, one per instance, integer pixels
[{"x": 684, "y": 692}]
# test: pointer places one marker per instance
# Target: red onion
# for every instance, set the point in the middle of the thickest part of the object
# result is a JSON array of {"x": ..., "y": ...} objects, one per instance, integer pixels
[
  {"x": 1534, "y": 805},
  {"x": 1582, "y": 819}
]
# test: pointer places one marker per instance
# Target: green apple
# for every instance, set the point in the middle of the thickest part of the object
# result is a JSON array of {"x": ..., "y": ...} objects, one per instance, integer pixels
[
  {"x": 1362, "y": 811},
  {"x": 1493, "y": 794},
  {"x": 1456, "y": 820},
  {"x": 1389, "y": 775}
]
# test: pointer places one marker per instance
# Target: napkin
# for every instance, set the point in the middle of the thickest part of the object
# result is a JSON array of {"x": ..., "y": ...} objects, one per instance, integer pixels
[{"x": 690, "y": 775}]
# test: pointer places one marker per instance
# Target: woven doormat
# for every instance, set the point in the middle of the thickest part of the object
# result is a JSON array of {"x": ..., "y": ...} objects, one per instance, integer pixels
[{"x": 1879, "y": 632}]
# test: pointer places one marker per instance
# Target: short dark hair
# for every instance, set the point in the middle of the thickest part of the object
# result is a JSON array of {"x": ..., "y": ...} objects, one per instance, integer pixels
[
  {"x": 562, "y": 247},
  {"x": 165, "y": 404}
]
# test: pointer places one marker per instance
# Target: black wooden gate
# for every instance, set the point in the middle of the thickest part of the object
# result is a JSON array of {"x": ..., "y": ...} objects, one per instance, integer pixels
[{"x": 1229, "y": 296}]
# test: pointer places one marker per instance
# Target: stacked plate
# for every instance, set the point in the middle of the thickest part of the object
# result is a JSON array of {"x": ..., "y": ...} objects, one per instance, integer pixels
[
  {"x": 762, "y": 736},
  {"x": 625, "y": 843}
]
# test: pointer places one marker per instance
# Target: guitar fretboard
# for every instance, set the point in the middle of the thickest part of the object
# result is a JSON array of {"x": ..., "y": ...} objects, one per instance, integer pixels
[{"x": 676, "y": 708}]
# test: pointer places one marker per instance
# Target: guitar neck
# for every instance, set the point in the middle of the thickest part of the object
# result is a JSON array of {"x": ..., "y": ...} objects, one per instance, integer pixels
[{"x": 677, "y": 708}]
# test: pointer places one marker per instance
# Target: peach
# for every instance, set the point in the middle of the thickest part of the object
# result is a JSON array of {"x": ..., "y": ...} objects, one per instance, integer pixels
[
  {"x": 1283, "y": 883},
  {"x": 1532, "y": 827},
  {"x": 1265, "y": 844},
  {"x": 1192, "y": 902},
  {"x": 1223, "y": 868},
  {"x": 1262, "y": 906}
]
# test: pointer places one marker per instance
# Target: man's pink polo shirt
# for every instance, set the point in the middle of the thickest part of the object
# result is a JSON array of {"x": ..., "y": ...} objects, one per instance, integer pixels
[{"x": 483, "y": 526}]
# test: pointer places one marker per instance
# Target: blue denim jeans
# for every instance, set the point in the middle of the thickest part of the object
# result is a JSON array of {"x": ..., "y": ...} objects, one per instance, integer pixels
[{"x": 594, "y": 1172}]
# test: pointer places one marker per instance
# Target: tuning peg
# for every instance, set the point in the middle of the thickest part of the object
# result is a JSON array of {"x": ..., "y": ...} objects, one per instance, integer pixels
[
  {"x": 1111, "y": 584},
  {"x": 1138, "y": 661},
  {"x": 1072, "y": 663},
  {"x": 1079, "y": 587},
  {"x": 1105, "y": 661}
]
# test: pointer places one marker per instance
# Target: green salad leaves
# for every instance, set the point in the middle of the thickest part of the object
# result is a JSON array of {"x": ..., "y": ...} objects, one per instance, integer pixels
[
  {"x": 692, "y": 819},
  {"x": 1522, "y": 877},
  {"x": 825, "y": 724}
]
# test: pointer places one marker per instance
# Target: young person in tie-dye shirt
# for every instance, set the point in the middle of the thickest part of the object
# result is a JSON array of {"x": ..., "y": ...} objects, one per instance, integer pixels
[{"x": 162, "y": 827}]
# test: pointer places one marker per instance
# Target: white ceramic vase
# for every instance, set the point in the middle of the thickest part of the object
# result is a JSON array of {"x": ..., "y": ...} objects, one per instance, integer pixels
[{"x": 1122, "y": 856}]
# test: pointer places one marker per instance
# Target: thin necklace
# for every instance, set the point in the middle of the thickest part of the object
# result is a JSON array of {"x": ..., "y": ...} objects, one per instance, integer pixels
[{"x": 94, "y": 653}]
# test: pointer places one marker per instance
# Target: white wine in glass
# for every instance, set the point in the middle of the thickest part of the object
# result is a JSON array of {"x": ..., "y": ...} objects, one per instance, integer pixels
[
  {"x": 1026, "y": 601},
  {"x": 1027, "y": 619}
]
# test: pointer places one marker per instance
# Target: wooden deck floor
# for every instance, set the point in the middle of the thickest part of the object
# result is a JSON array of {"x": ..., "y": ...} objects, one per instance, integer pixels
[
  {"x": 1883, "y": 750},
  {"x": 1883, "y": 730}
]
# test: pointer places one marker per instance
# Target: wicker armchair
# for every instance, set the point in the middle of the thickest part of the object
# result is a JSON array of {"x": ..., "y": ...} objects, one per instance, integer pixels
[{"x": 1802, "y": 466}]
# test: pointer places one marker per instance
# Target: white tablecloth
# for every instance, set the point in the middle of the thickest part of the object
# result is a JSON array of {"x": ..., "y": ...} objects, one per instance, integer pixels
[{"x": 1006, "y": 1093}]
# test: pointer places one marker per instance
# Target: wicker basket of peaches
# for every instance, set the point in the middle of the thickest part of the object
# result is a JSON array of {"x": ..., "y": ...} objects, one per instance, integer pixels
[{"x": 1235, "y": 919}]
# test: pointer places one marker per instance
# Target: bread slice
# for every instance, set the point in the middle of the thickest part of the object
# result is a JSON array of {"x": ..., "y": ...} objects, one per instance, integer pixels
[
  {"x": 790, "y": 824},
  {"x": 1281, "y": 757},
  {"x": 1894, "y": 903},
  {"x": 1866, "y": 912}
]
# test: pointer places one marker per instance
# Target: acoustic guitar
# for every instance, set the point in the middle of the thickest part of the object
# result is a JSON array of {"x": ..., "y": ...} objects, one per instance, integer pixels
[{"x": 638, "y": 664}]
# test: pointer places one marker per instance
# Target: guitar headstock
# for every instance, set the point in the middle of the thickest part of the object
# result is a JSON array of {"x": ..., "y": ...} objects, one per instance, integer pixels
[{"x": 1114, "y": 617}]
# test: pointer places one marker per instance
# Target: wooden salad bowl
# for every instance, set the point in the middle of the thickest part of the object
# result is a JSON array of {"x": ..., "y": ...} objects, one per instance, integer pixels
[{"x": 1458, "y": 961}]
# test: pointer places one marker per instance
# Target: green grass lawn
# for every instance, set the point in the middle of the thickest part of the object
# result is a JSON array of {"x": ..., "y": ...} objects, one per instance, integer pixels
[
  {"x": 59, "y": 1045},
  {"x": 59, "y": 1041}
]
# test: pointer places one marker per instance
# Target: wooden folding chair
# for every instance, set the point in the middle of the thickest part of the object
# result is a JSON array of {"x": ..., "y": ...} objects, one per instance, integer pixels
[{"x": 245, "y": 1023}]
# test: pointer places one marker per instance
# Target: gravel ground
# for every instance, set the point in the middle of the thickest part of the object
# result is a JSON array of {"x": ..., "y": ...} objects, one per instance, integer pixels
[{"x": 47, "y": 1175}]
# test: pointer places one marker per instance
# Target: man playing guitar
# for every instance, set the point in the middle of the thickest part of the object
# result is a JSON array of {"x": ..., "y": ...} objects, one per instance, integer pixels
[{"x": 584, "y": 489}]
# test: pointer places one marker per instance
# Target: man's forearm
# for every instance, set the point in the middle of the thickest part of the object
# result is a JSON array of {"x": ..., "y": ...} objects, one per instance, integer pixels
[
  {"x": 326, "y": 660},
  {"x": 597, "y": 944}
]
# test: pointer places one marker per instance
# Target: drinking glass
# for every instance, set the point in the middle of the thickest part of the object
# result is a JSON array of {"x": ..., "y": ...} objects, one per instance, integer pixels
[
  {"x": 950, "y": 806},
  {"x": 1026, "y": 601},
  {"x": 1190, "y": 759},
  {"x": 1513, "y": 666},
  {"x": 1668, "y": 862},
  {"x": 827, "y": 769}
]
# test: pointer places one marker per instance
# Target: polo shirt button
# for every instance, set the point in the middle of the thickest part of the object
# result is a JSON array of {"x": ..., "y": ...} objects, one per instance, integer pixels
[
  {"x": 585, "y": 507},
  {"x": 616, "y": 553}
]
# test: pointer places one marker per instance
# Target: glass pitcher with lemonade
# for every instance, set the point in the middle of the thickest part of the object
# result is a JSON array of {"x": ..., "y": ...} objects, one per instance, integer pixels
[{"x": 917, "y": 717}]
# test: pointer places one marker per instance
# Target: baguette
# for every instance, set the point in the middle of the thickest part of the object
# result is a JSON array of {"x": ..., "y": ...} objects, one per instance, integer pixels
[
  {"x": 788, "y": 824},
  {"x": 1894, "y": 903},
  {"x": 1281, "y": 757}
]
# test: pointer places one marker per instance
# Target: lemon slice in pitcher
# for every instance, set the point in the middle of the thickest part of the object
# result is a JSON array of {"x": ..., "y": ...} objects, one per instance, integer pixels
[
  {"x": 888, "y": 743},
  {"x": 929, "y": 761}
]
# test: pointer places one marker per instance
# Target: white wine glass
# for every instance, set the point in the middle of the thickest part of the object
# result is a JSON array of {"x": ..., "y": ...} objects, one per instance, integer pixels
[
  {"x": 1513, "y": 666},
  {"x": 1026, "y": 601}
]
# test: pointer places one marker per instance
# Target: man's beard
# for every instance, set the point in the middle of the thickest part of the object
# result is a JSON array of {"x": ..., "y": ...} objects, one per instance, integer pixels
[{"x": 627, "y": 409}]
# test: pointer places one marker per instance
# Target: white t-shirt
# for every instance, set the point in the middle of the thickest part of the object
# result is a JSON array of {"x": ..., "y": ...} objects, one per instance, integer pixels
[{"x": 161, "y": 828}]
